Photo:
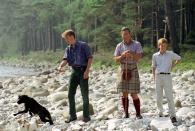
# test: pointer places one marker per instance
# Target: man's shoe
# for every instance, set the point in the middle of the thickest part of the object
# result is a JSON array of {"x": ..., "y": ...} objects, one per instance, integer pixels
[
  {"x": 139, "y": 116},
  {"x": 173, "y": 119},
  {"x": 86, "y": 119},
  {"x": 71, "y": 119}
]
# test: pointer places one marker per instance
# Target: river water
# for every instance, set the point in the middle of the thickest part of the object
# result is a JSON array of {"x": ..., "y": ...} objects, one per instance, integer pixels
[{"x": 10, "y": 71}]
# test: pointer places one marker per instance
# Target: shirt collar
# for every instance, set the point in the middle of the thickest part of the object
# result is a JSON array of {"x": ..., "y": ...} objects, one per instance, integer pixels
[
  {"x": 160, "y": 53},
  {"x": 76, "y": 44},
  {"x": 127, "y": 43}
]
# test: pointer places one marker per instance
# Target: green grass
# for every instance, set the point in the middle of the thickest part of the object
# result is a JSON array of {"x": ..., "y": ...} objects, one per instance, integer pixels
[
  {"x": 103, "y": 59},
  {"x": 38, "y": 57}
]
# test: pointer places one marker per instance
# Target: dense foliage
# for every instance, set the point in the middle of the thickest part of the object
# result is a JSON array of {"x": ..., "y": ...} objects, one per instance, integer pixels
[{"x": 31, "y": 25}]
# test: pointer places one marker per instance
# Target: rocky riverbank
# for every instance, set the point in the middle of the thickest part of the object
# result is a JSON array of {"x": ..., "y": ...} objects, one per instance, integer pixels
[{"x": 50, "y": 89}]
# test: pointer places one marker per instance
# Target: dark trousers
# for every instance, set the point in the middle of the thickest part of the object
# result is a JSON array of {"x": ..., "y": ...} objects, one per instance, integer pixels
[{"x": 75, "y": 80}]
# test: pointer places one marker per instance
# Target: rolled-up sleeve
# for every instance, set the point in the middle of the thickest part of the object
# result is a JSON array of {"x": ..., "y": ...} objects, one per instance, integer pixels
[
  {"x": 65, "y": 54},
  {"x": 117, "y": 51},
  {"x": 88, "y": 52},
  {"x": 139, "y": 48},
  {"x": 175, "y": 56}
]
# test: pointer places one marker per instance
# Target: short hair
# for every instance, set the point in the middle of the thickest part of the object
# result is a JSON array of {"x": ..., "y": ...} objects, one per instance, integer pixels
[
  {"x": 125, "y": 29},
  {"x": 68, "y": 32},
  {"x": 162, "y": 40}
]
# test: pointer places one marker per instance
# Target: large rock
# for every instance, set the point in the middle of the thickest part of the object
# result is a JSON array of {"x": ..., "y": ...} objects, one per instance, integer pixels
[
  {"x": 161, "y": 124},
  {"x": 182, "y": 128},
  {"x": 61, "y": 103},
  {"x": 80, "y": 108},
  {"x": 8, "y": 82},
  {"x": 187, "y": 74},
  {"x": 192, "y": 128},
  {"x": 34, "y": 91},
  {"x": 58, "y": 96},
  {"x": 41, "y": 93},
  {"x": 35, "y": 83},
  {"x": 104, "y": 114},
  {"x": 43, "y": 80},
  {"x": 62, "y": 88},
  {"x": 75, "y": 127},
  {"x": 113, "y": 124},
  {"x": 52, "y": 85},
  {"x": 191, "y": 80},
  {"x": 182, "y": 112}
]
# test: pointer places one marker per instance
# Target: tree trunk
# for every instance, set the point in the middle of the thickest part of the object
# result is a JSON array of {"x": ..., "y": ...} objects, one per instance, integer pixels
[
  {"x": 171, "y": 25},
  {"x": 182, "y": 31}
]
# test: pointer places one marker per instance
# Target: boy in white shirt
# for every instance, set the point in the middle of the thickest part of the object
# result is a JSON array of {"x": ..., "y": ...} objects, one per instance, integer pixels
[{"x": 162, "y": 63}]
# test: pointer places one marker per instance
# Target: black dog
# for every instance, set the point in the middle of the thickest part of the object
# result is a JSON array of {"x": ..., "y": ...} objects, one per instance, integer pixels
[{"x": 34, "y": 107}]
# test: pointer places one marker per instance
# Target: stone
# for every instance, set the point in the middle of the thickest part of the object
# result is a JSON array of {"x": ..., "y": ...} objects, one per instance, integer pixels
[
  {"x": 56, "y": 129},
  {"x": 191, "y": 80},
  {"x": 53, "y": 86},
  {"x": 30, "y": 90},
  {"x": 57, "y": 96},
  {"x": 44, "y": 102},
  {"x": 104, "y": 114},
  {"x": 80, "y": 108},
  {"x": 62, "y": 88},
  {"x": 192, "y": 128},
  {"x": 182, "y": 112},
  {"x": 61, "y": 103},
  {"x": 187, "y": 74},
  {"x": 178, "y": 104},
  {"x": 33, "y": 125},
  {"x": 113, "y": 124},
  {"x": 182, "y": 128},
  {"x": 47, "y": 72},
  {"x": 75, "y": 127},
  {"x": 43, "y": 80},
  {"x": 41, "y": 93},
  {"x": 159, "y": 124}
]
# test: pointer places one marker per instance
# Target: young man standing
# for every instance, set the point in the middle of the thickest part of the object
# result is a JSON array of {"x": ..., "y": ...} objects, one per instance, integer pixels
[
  {"x": 127, "y": 53},
  {"x": 162, "y": 63},
  {"x": 78, "y": 55}
]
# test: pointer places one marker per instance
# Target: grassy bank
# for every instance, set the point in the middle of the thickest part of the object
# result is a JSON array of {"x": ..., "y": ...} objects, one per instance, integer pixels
[{"x": 101, "y": 59}]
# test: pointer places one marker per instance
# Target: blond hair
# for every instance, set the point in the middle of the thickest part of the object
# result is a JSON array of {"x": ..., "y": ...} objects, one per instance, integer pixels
[
  {"x": 162, "y": 40},
  {"x": 68, "y": 32}
]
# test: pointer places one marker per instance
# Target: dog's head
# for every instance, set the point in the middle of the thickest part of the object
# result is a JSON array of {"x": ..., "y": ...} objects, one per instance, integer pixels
[{"x": 22, "y": 99}]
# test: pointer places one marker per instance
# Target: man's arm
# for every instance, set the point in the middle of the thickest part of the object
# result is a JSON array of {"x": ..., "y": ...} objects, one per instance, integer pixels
[
  {"x": 86, "y": 73},
  {"x": 120, "y": 57},
  {"x": 89, "y": 63},
  {"x": 176, "y": 59},
  {"x": 175, "y": 63},
  {"x": 62, "y": 64}
]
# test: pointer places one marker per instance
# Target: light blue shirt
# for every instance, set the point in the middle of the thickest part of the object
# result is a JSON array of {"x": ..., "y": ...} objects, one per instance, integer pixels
[
  {"x": 134, "y": 46},
  {"x": 163, "y": 62}
]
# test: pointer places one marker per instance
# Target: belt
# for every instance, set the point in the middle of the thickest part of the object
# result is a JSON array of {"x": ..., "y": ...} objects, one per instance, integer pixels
[
  {"x": 79, "y": 67},
  {"x": 163, "y": 73}
]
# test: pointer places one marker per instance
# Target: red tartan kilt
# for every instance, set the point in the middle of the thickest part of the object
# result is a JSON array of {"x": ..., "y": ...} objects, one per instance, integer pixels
[{"x": 128, "y": 79}]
